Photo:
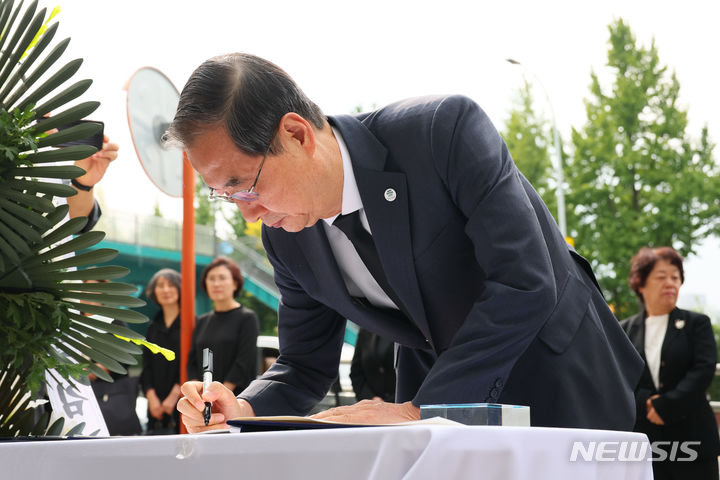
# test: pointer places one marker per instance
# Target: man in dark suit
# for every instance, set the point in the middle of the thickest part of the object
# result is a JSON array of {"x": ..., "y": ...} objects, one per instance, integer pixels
[{"x": 470, "y": 276}]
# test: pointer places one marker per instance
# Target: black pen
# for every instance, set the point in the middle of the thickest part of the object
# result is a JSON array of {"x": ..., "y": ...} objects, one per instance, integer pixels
[{"x": 207, "y": 380}]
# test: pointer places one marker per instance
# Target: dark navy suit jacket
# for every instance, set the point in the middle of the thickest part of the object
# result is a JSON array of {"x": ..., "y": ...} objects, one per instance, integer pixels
[{"x": 502, "y": 309}]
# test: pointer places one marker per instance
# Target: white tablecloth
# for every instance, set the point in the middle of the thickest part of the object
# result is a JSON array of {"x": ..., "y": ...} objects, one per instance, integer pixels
[{"x": 385, "y": 453}]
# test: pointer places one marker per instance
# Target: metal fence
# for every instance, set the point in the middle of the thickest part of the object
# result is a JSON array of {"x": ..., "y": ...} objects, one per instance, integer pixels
[{"x": 161, "y": 233}]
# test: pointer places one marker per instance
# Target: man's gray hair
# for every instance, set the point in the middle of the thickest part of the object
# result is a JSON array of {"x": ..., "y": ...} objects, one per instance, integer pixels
[{"x": 243, "y": 93}]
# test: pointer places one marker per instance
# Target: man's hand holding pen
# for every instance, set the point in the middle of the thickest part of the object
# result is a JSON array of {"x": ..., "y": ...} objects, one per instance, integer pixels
[{"x": 224, "y": 406}]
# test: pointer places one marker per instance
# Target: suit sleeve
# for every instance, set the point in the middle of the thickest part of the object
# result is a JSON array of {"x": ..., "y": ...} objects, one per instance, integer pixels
[
  {"x": 311, "y": 337},
  {"x": 509, "y": 246},
  {"x": 93, "y": 217},
  {"x": 677, "y": 403},
  {"x": 357, "y": 372},
  {"x": 244, "y": 367}
]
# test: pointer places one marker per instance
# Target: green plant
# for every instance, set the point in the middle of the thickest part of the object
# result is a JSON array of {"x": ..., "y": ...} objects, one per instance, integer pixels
[
  {"x": 637, "y": 178},
  {"x": 43, "y": 322}
]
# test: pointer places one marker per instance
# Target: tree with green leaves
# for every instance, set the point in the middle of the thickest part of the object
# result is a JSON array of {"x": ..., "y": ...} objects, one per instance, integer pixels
[
  {"x": 204, "y": 209},
  {"x": 637, "y": 178},
  {"x": 236, "y": 221},
  {"x": 528, "y": 137}
]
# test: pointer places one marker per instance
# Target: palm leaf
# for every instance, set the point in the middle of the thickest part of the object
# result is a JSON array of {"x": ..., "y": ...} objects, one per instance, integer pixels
[
  {"x": 129, "y": 316},
  {"x": 72, "y": 152},
  {"x": 33, "y": 27},
  {"x": 105, "y": 299},
  {"x": 78, "y": 430},
  {"x": 77, "y": 132},
  {"x": 52, "y": 189},
  {"x": 42, "y": 301},
  {"x": 8, "y": 253},
  {"x": 72, "y": 114},
  {"x": 19, "y": 29},
  {"x": 79, "y": 359},
  {"x": 100, "y": 255},
  {"x": 116, "y": 288},
  {"x": 21, "y": 228},
  {"x": 109, "y": 327},
  {"x": 31, "y": 201},
  {"x": 5, "y": 9},
  {"x": 20, "y": 72},
  {"x": 95, "y": 273},
  {"x": 103, "y": 344},
  {"x": 70, "y": 93},
  {"x": 64, "y": 171},
  {"x": 112, "y": 340},
  {"x": 94, "y": 355},
  {"x": 32, "y": 218},
  {"x": 39, "y": 71},
  {"x": 71, "y": 227},
  {"x": 55, "y": 429},
  {"x": 80, "y": 242}
]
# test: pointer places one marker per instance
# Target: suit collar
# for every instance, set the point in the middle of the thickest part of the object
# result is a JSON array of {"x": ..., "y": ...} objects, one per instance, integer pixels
[
  {"x": 327, "y": 286},
  {"x": 351, "y": 200},
  {"x": 387, "y": 214},
  {"x": 636, "y": 332},
  {"x": 673, "y": 331}
]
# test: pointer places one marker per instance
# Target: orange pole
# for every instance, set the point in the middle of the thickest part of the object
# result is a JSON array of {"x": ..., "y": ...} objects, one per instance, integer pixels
[{"x": 187, "y": 270}]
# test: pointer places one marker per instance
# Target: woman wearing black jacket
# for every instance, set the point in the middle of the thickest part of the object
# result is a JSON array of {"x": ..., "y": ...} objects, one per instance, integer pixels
[
  {"x": 230, "y": 330},
  {"x": 680, "y": 353}
]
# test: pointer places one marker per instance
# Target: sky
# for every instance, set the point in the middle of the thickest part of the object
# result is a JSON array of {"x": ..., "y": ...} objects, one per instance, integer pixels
[{"x": 345, "y": 54}]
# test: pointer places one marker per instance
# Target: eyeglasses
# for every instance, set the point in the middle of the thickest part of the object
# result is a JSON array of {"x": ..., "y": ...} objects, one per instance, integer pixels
[{"x": 249, "y": 195}]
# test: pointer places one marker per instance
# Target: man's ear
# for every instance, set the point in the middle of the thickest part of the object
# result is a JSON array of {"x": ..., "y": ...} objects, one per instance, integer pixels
[{"x": 294, "y": 130}]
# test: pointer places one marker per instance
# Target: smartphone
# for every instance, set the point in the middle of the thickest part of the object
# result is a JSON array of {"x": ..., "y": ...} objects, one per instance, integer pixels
[{"x": 95, "y": 140}]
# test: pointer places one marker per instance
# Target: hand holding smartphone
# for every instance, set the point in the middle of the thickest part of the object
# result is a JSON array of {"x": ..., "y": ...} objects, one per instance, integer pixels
[{"x": 95, "y": 140}]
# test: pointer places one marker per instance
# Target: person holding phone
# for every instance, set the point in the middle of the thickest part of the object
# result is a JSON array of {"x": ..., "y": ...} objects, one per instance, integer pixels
[{"x": 84, "y": 204}]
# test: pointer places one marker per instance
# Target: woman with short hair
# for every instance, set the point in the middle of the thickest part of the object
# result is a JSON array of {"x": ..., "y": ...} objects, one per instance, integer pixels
[
  {"x": 680, "y": 353},
  {"x": 160, "y": 379},
  {"x": 230, "y": 330}
]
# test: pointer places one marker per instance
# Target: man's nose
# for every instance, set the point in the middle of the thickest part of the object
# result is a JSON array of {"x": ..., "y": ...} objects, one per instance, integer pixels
[{"x": 251, "y": 212}]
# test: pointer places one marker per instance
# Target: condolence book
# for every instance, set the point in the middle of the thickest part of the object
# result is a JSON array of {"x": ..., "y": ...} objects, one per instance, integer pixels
[{"x": 282, "y": 423}]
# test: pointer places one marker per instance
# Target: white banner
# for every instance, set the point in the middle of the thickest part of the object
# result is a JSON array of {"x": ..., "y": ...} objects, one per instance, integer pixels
[{"x": 76, "y": 403}]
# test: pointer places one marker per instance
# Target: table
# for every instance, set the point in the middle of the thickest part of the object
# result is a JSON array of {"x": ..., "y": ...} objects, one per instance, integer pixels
[{"x": 386, "y": 453}]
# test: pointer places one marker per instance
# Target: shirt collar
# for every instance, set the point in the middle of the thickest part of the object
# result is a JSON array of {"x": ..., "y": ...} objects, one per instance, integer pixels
[{"x": 351, "y": 200}]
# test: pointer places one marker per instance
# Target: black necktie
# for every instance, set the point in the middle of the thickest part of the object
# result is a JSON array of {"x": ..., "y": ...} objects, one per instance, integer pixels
[{"x": 352, "y": 227}]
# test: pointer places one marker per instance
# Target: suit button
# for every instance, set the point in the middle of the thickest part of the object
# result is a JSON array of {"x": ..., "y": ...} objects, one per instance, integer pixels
[
  {"x": 662, "y": 364},
  {"x": 494, "y": 393},
  {"x": 661, "y": 385},
  {"x": 427, "y": 340},
  {"x": 499, "y": 383}
]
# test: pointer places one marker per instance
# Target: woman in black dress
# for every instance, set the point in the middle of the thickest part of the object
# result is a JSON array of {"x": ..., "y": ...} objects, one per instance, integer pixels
[
  {"x": 160, "y": 378},
  {"x": 229, "y": 330}
]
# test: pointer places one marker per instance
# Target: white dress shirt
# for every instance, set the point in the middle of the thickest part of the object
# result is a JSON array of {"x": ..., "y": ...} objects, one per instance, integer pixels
[
  {"x": 655, "y": 328},
  {"x": 358, "y": 280}
]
